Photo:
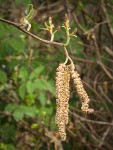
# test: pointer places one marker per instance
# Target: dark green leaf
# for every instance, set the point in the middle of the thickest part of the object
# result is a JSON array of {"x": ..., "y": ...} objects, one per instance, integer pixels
[{"x": 42, "y": 97}]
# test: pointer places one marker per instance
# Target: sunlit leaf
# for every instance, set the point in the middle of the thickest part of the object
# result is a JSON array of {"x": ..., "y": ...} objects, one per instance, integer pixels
[
  {"x": 18, "y": 114},
  {"x": 22, "y": 90},
  {"x": 11, "y": 107},
  {"x": 36, "y": 72},
  {"x": 3, "y": 77},
  {"x": 18, "y": 44},
  {"x": 23, "y": 73},
  {"x": 30, "y": 87},
  {"x": 39, "y": 84}
]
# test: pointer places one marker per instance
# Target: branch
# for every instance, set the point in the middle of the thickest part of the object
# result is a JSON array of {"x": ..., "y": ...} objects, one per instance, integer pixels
[
  {"x": 108, "y": 50},
  {"x": 106, "y": 16},
  {"x": 30, "y": 34},
  {"x": 105, "y": 95},
  {"x": 91, "y": 121},
  {"x": 105, "y": 134},
  {"x": 99, "y": 61},
  {"x": 78, "y": 23}
]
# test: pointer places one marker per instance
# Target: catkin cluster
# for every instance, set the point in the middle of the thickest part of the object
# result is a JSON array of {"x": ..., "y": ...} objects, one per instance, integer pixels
[
  {"x": 62, "y": 94},
  {"x": 63, "y": 75}
]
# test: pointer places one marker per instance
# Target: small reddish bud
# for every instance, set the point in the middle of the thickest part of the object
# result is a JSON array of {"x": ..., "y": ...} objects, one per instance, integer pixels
[
  {"x": 66, "y": 16},
  {"x": 75, "y": 31},
  {"x": 58, "y": 28}
]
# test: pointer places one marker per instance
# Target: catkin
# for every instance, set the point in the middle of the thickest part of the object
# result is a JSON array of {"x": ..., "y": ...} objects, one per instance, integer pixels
[
  {"x": 81, "y": 92},
  {"x": 62, "y": 95}
]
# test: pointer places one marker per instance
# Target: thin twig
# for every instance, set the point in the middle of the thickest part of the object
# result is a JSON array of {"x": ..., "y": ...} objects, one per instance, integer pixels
[
  {"x": 68, "y": 57},
  {"x": 105, "y": 134},
  {"x": 77, "y": 22},
  {"x": 108, "y": 50},
  {"x": 91, "y": 121},
  {"x": 105, "y": 95},
  {"x": 106, "y": 16}
]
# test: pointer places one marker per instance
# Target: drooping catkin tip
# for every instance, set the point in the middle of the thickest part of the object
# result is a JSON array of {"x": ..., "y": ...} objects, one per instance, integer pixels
[
  {"x": 62, "y": 131},
  {"x": 86, "y": 109}
]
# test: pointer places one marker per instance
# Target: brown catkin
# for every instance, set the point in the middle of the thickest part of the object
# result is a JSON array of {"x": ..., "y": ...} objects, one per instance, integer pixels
[
  {"x": 82, "y": 93},
  {"x": 62, "y": 95}
]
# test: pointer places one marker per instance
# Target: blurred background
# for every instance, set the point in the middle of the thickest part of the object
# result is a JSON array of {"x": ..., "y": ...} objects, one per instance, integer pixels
[{"x": 27, "y": 76}]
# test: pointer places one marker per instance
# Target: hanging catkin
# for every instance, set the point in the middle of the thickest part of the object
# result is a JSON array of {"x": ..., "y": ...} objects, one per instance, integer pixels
[
  {"x": 81, "y": 92},
  {"x": 62, "y": 95}
]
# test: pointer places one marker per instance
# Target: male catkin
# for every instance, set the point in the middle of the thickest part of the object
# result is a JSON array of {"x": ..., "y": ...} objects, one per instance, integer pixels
[
  {"x": 81, "y": 92},
  {"x": 62, "y": 95}
]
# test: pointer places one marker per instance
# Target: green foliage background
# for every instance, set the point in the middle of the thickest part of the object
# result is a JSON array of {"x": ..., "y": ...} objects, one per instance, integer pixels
[{"x": 27, "y": 80}]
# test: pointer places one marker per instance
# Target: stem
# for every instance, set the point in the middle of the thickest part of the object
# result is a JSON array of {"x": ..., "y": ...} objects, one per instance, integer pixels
[
  {"x": 52, "y": 37},
  {"x": 68, "y": 40},
  {"x": 68, "y": 58}
]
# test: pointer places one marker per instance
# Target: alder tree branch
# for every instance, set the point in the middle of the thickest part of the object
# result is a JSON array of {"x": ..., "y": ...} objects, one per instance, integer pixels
[{"x": 30, "y": 34}]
